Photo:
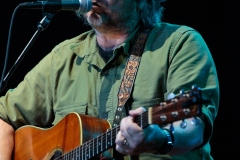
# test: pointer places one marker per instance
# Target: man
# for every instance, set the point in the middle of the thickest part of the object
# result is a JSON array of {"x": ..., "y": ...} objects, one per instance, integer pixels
[{"x": 84, "y": 75}]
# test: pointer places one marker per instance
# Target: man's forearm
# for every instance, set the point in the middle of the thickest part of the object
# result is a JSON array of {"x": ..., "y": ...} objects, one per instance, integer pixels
[
  {"x": 186, "y": 139},
  {"x": 6, "y": 140}
]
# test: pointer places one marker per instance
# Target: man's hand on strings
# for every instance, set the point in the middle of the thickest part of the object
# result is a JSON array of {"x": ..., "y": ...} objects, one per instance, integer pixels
[{"x": 133, "y": 140}]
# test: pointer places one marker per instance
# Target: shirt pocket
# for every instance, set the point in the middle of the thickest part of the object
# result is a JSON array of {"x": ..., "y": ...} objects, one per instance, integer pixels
[
  {"x": 61, "y": 112},
  {"x": 147, "y": 103}
]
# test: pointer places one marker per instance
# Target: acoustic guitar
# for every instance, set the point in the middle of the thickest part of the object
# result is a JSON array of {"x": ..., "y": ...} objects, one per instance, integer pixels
[{"x": 83, "y": 137}]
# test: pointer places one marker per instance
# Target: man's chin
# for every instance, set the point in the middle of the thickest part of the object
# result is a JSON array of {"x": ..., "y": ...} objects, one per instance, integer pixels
[{"x": 93, "y": 19}]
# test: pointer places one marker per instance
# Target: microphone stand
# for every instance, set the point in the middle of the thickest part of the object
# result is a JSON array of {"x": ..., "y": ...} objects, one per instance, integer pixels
[{"x": 42, "y": 25}]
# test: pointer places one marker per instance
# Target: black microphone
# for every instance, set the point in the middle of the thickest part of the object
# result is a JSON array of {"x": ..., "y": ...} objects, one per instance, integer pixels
[{"x": 83, "y": 6}]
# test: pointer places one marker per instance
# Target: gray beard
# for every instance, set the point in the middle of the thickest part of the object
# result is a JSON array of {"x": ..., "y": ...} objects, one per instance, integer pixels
[{"x": 123, "y": 24}]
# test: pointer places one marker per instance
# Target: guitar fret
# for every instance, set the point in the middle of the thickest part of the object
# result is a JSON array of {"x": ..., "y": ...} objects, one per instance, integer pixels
[
  {"x": 76, "y": 154},
  {"x": 83, "y": 152},
  {"x": 70, "y": 154},
  {"x": 80, "y": 151},
  {"x": 108, "y": 139},
  {"x": 105, "y": 140},
  {"x": 101, "y": 143},
  {"x": 92, "y": 146},
  {"x": 96, "y": 145},
  {"x": 111, "y": 139},
  {"x": 88, "y": 150}
]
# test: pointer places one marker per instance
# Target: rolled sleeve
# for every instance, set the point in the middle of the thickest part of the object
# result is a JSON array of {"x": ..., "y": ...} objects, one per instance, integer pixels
[
  {"x": 191, "y": 64},
  {"x": 30, "y": 102}
]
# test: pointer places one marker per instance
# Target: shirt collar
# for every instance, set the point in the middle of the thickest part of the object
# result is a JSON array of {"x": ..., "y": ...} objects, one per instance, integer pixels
[
  {"x": 86, "y": 43},
  {"x": 129, "y": 41}
]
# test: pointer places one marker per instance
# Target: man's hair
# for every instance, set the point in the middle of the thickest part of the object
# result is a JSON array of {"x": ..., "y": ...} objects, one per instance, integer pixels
[{"x": 151, "y": 11}]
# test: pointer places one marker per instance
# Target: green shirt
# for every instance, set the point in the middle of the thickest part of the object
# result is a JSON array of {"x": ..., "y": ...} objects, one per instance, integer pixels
[{"x": 74, "y": 78}]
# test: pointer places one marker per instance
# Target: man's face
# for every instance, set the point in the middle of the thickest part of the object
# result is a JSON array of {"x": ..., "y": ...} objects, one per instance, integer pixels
[{"x": 113, "y": 15}]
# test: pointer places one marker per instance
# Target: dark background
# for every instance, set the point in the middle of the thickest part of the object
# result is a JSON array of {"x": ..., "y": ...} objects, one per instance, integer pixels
[{"x": 208, "y": 17}]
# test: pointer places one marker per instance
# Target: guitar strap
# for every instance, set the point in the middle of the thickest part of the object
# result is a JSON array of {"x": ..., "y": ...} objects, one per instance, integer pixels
[{"x": 129, "y": 76}]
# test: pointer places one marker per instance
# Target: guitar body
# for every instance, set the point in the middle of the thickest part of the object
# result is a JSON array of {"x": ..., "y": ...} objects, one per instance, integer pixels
[{"x": 33, "y": 143}]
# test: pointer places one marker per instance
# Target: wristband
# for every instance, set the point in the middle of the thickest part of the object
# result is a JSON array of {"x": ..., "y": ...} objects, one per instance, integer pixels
[{"x": 168, "y": 144}]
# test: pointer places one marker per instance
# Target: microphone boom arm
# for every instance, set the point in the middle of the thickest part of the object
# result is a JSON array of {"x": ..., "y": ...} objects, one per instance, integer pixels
[{"x": 43, "y": 24}]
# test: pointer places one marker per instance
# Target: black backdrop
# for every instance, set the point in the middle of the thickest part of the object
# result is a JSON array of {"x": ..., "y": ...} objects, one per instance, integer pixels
[{"x": 206, "y": 16}]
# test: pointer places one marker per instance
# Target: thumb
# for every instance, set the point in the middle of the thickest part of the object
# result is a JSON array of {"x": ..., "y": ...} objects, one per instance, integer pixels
[{"x": 137, "y": 111}]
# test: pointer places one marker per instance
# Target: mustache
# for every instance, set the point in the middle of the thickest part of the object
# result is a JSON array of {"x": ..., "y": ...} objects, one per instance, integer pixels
[{"x": 101, "y": 3}]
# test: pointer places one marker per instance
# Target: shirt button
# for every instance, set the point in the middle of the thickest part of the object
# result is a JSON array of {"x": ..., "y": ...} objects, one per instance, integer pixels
[
  {"x": 105, "y": 116},
  {"x": 105, "y": 73}
]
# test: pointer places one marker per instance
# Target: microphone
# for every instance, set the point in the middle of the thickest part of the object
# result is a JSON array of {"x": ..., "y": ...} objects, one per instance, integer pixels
[{"x": 83, "y": 6}]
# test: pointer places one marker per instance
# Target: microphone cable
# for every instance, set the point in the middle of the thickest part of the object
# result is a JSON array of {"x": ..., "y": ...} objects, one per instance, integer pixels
[{"x": 2, "y": 86}]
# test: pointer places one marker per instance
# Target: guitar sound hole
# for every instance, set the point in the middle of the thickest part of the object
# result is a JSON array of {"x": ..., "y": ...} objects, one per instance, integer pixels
[{"x": 56, "y": 155}]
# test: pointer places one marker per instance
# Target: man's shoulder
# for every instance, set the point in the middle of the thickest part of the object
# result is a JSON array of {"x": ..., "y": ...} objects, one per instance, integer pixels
[
  {"x": 173, "y": 32},
  {"x": 74, "y": 41},
  {"x": 171, "y": 28}
]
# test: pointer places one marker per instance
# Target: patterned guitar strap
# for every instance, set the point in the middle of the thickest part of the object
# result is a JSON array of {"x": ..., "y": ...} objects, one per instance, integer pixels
[{"x": 128, "y": 79}]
